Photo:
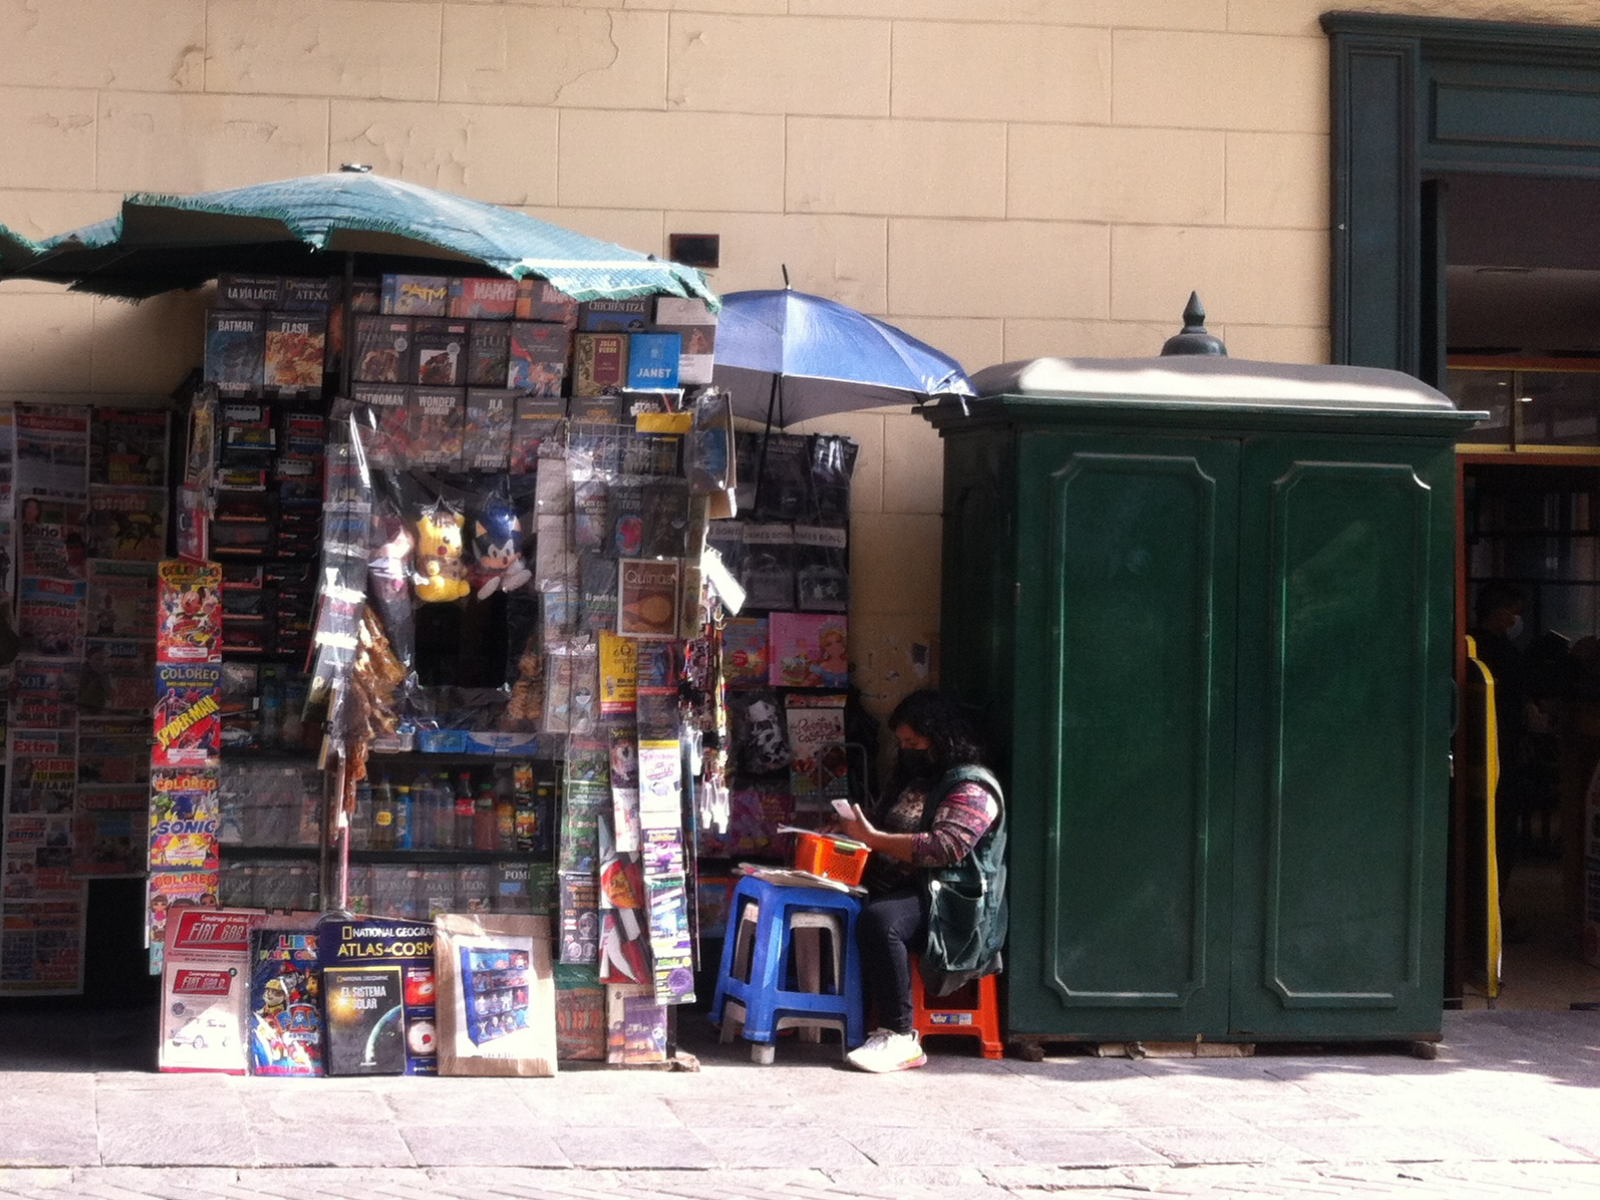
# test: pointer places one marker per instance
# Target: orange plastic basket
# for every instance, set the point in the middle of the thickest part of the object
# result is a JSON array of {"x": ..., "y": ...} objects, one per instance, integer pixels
[{"x": 832, "y": 859}]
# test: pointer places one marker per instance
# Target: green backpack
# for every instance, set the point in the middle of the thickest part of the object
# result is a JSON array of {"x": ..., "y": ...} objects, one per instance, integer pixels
[{"x": 966, "y": 901}]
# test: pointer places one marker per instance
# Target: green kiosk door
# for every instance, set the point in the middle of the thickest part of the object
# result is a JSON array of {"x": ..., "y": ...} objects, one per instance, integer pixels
[
  {"x": 1219, "y": 692},
  {"x": 1126, "y": 702},
  {"x": 1345, "y": 620}
]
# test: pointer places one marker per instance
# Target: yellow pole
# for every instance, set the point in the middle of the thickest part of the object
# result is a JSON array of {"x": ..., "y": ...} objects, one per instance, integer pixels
[{"x": 1491, "y": 777}]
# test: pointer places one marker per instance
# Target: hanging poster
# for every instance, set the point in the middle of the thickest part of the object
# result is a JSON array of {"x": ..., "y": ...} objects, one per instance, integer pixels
[
  {"x": 44, "y": 694},
  {"x": 42, "y": 772},
  {"x": 189, "y": 611},
  {"x": 188, "y": 714},
  {"x": 118, "y": 677},
  {"x": 50, "y": 616},
  {"x": 128, "y": 447}
]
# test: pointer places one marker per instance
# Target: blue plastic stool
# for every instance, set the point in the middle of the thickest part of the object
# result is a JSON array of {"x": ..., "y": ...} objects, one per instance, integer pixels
[{"x": 763, "y": 991}]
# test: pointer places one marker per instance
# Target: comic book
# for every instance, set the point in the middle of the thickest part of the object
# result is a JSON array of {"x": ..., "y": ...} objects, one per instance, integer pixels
[
  {"x": 188, "y": 718},
  {"x": 535, "y": 420},
  {"x": 537, "y": 358},
  {"x": 435, "y": 426},
  {"x": 808, "y": 651},
  {"x": 235, "y": 351},
  {"x": 489, "y": 354},
  {"x": 483, "y": 299},
  {"x": 127, "y": 523},
  {"x": 285, "y": 1004},
  {"x": 296, "y": 345},
  {"x": 189, "y": 611},
  {"x": 538, "y": 300},
  {"x": 580, "y": 1013},
  {"x": 486, "y": 439},
  {"x": 439, "y": 353},
  {"x": 128, "y": 447},
  {"x": 744, "y": 651},
  {"x": 416, "y": 295},
  {"x": 386, "y": 442},
  {"x": 382, "y": 349},
  {"x": 50, "y": 616},
  {"x": 205, "y": 991}
]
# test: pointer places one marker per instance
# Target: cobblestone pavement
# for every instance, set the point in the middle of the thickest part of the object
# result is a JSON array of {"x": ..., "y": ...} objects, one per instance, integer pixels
[{"x": 1511, "y": 1107}]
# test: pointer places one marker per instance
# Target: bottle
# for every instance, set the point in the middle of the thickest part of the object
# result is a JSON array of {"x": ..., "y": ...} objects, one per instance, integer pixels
[
  {"x": 485, "y": 826},
  {"x": 422, "y": 811},
  {"x": 527, "y": 814},
  {"x": 361, "y": 819},
  {"x": 444, "y": 813},
  {"x": 505, "y": 818},
  {"x": 404, "y": 816},
  {"x": 383, "y": 817},
  {"x": 271, "y": 714},
  {"x": 464, "y": 807}
]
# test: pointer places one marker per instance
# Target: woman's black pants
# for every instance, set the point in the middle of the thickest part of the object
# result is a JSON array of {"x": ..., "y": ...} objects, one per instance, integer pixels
[{"x": 892, "y": 928}]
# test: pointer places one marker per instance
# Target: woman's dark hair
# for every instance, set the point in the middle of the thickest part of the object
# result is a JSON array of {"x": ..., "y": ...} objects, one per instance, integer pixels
[{"x": 952, "y": 741}]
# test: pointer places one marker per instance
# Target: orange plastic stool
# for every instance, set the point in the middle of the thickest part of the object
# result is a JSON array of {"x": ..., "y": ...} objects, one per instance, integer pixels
[{"x": 972, "y": 1011}]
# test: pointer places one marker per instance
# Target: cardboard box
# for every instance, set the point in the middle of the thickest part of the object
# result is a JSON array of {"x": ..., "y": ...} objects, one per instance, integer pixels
[{"x": 496, "y": 994}]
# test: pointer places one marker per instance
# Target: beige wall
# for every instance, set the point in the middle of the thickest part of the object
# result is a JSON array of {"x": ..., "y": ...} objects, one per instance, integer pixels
[{"x": 1004, "y": 178}]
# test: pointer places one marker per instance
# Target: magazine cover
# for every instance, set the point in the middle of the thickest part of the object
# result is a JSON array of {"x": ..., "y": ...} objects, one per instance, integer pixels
[
  {"x": 110, "y": 831},
  {"x": 479, "y": 299},
  {"x": 128, "y": 447},
  {"x": 189, "y": 611},
  {"x": 121, "y": 600},
  {"x": 44, "y": 694},
  {"x": 489, "y": 354},
  {"x": 537, "y": 358},
  {"x": 647, "y": 598},
  {"x": 416, "y": 295},
  {"x": 486, "y": 439},
  {"x": 285, "y": 1007},
  {"x": 696, "y": 326},
  {"x": 580, "y": 1014},
  {"x": 496, "y": 995},
  {"x": 205, "y": 991},
  {"x": 235, "y": 350},
  {"x": 249, "y": 292},
  {"x": 434, "y": 430},
  {"x": 115, "y": 752},
  {"x": 43, "y": 772},
  {"x": 652, "y": 360},
  {"x": 51, "y": 538},
  {"x": 304, "y": 293},
  {"x": 50, "y": 615},
  {"x": 744, "y": 651},
  {"x": 386, "y": 442},
  {"x": 820, "y": 769},
  {"x": 808, "y": 651},
  {"x": 52, "y": 453},
  {"x": 188, "y": 715},
  {"x": 535, "y": 420},
  {"x": 127, "y": 523},
  {"x": 41, "y": 947},
  {"x": 600, "y": 363},
  {"x": 296, "y": 344},
  {"x": 169, "y": 892},
  {"x": 636, "y": 1025},
  {"x": 365, "y": 1009},
  {"x": 383, "y": 349},
  {"x": 439, "y": 353}
]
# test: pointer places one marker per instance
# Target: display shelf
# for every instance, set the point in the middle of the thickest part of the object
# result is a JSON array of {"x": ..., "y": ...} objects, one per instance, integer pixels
[
  {"x": 420, "y": 857},
  {"x": 247, "y": 754},
  {"x": 421, "y": 758}
]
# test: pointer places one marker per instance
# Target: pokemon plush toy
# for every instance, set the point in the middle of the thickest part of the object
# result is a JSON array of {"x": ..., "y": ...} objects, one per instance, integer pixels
[
  {"x": 439, "y": 576},
  {"x": 496, "y": 542}
]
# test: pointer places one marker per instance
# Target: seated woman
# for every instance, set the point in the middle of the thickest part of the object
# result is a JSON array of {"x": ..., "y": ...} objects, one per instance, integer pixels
[{"x": 938, "y": 805}]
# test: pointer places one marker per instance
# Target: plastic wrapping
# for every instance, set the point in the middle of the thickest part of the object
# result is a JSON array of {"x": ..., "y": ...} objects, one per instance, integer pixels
[
  {"x": 497, "y": 543},
  {"x": 439, "y": 577}
]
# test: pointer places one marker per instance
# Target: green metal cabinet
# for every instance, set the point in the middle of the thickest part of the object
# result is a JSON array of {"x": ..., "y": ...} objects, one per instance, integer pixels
[{"x": 1205, "y": 608}]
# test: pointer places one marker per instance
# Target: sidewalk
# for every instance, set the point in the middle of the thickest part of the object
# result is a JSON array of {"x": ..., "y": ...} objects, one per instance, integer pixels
[{"x": 1510, "y": 1107}]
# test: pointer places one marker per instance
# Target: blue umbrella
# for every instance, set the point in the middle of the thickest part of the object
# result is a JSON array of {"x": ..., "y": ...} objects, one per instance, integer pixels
[{"x": 787, "y": 357}]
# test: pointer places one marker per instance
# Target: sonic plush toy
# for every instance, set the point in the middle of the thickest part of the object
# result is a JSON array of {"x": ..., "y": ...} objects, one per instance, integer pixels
[{"x": 496, "y": 542}]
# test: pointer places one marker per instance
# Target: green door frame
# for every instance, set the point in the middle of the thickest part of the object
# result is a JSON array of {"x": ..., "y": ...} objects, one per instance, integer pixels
[{"x": 1418, "y": 96}]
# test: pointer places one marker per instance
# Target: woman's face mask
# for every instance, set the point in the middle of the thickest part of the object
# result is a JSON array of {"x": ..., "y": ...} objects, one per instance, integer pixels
[
  {"x": 915, "y": 762},
  {"x": 1514, "y": 630}
]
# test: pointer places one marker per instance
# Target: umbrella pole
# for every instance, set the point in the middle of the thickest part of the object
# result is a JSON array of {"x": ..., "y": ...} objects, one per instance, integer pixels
[{"x": 766, "y": 436}]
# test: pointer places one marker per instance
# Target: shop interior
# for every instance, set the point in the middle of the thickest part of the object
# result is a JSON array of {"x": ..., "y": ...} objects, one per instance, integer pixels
[{"x": 1523, "y": 339}]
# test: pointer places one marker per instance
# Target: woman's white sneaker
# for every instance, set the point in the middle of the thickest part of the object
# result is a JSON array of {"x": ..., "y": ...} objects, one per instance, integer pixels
[{"x": 885, "y": 1051}]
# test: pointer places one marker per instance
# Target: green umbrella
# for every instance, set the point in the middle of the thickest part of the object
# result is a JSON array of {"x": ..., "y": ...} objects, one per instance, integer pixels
[{"x": 158, "y": 243}]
